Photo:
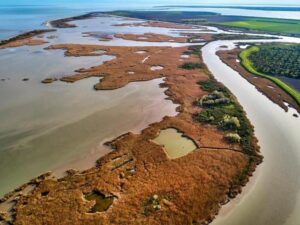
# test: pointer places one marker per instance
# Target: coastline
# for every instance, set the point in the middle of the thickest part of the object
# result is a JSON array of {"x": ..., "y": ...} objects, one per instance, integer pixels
[
  {"x": 149, "y": 133},
  {"x": 23, "y": 37},
  {"x": 64, "y": 22}
]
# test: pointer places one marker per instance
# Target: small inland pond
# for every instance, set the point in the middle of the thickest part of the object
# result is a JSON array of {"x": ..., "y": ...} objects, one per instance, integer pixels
[
  {"x": 102, "y": 202},
  {"x": 175, "y": 143}
]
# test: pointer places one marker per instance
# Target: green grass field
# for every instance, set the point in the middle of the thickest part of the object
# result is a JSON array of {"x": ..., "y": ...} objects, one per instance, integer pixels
[
  {"x": 269, "y": 25},
  {"x": 247, "y": 64}
]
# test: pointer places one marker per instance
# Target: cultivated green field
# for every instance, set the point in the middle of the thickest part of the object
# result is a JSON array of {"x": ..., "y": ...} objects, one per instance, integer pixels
[
  {"x": 269, "y": 25},
  {"x": 244, "y": 56},
  {"x": 279, "y": 26}
]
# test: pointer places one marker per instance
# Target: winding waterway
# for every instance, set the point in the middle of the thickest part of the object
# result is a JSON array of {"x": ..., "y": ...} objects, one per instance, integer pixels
[{"x": 272, "y": 197}]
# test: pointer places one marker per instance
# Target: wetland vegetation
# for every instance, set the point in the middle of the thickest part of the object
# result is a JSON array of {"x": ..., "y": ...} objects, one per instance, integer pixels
[
  {"x": 223, "y": 111},
  {"x": 191, "y": 66}
]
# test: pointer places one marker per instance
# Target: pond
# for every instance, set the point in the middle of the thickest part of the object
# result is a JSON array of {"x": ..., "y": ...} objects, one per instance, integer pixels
[
  {"x": 102, "y": 203},
  {"x": 175, "y": 143}
]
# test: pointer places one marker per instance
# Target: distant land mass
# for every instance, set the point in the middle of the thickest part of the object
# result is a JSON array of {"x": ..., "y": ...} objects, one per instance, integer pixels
[{"x": 265, "y": 8}]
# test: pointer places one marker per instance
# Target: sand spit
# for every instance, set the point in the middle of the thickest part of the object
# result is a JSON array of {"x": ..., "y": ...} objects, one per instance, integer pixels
[
  {"x": 64, "y": 23},
  {"x": 25, "y": 39},
  {"x": 147, "y": 186},
  {"x": 275, "y": 94}
]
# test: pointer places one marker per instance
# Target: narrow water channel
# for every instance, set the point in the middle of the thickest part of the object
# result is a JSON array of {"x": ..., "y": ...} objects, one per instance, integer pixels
[{"x": 272, "y": 196}]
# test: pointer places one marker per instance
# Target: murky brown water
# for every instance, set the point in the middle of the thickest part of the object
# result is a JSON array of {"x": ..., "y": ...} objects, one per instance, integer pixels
[
  {"x": 64, "y": 125},
  {"x": 60, "y": 126},
  {"x": 272, "y": 196},
  {"x": 174, "y": 143}
]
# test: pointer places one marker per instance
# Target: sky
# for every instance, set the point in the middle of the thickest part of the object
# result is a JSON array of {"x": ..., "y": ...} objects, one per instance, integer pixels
[{"x": 206, "y": 2}]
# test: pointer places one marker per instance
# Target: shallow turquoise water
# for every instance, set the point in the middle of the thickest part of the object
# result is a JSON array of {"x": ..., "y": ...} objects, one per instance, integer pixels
[{"x": 16, "y": 19}]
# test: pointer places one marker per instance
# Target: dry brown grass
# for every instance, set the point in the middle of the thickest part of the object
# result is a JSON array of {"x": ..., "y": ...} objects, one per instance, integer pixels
[
  {"x": 22, "y": 42},
  {"x": 151, "y": 37},
  {"x": 156, "y": 24}
]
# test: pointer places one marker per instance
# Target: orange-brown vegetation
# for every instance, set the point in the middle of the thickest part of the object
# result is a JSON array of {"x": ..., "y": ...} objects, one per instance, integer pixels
[
  {"x": 151, "y": 37},
  {"x": 49, "y": 80},
  {"x": 22, "y": 42},
  {"x": 25, "y": 39},
  {"x": 157, "y": 24}
]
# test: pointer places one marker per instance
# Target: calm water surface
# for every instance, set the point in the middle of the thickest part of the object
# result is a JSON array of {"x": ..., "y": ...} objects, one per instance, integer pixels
[
  {"x": 60, "y": 126},
  {"x": 272, "y": 197},
  {"x": 175, "y": 143}
]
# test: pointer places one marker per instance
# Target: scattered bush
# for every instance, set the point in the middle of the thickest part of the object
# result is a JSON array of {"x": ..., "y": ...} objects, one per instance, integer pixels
[
  {"x": 230, "y": 122},
  {"x": 229, "y": 116},
  {"x": 191, "y": 66},
  {"x": 205, "y": 116},
  {"x": 208, "y": 85},
  {"x": 215, "y": 98},
  {"x": 195, "y": 49},
  {"x": 233, "y": 137},
  {"x": 151, "y": 205}
]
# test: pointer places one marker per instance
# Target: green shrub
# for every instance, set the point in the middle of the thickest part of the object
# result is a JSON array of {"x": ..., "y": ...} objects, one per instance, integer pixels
[
  {"x": 208, "y": 85},
  {"x": 151, "y": 205},
  {"x": 213, "y": 99},
  {"x": 230, "y": 122},
  {"x": 225, "y": 116},
  {"x": 205, "y": 117},
  {"x": 233, "y": 137},
  {"x": 195, "y": 49},
  {"x": 191, "y": 66}
]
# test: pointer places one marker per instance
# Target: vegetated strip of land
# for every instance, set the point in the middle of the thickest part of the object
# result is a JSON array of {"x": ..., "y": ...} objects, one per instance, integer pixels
[
  {"x": 265, "y": 8},
  {"x": 257, "y": 24},
  {"x": 265, "y": 86},
  {"x": 247, "y": 63},
  {"x": 64, "y": 22},
  {"x": 280, "y": 26},
  {"x": 24, "y": 36},
  {"x": 277, "y": 59}
]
